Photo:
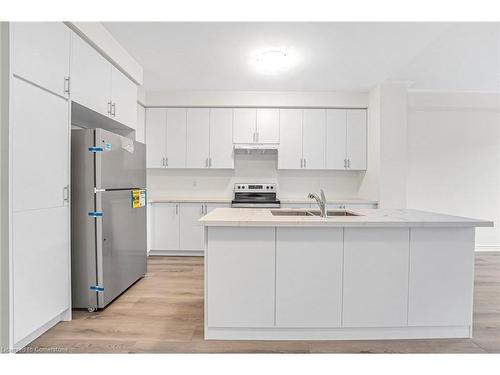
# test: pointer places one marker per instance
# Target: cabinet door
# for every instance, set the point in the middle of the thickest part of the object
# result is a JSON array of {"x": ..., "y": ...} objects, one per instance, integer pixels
[
  {"x": 191, "y": 232},
  {"x": 441, "y": 276},
  {"x": 41, "y": 268},
  {"x": 40, "y": 147},
  {"x": 221, "y": 138},
  {"x": 336, "y": 138},
  {"x": 268, "y": 125},
  {"x": 140, "y": 131},
  {"x": 165, "y": 226},
  {"x": 90, "y": 77},
  {"x": 375, "y": 277},
  {"x": 124, "y": 99},
  {"x": 356, "y": 139},
  {"x": 41, "y": 54},
  {"x": 176, "y": 138},
  {"x": 313, "y": 138},
  {"x": 309, "y": 277},
  {"x": 244, "y": 125},
  {"x": 236, "y": 298},
  {"x": 198, "y": 134},
  {"x": 156, "y": 137},
  {"x": 290, "y": 148}
]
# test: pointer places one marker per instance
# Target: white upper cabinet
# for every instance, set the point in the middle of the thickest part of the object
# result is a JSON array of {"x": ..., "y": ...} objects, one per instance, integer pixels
[
  {"x": 336, "y": 138},
  {"x": 41, "y": 54},
  {"x": 346, "y": 139},
  {"x": 90, "y": 77},
  {"x": 244, "y": 125},
  {"x": 356, "y": 139},
  {"x": 40, "y": 148},
  {"x": 221, "y": 138},
  {"x": 198, "y": 133},
  {"x": 123, "y": 99},
  {"x": 98, "y": 85},
  {"x": 156, "y": 137},
  {"x": 268, "y": 126},
  {"x": 313, "y": 138},
  {"x": 140, "y": 130},
  {"x": 290, "y": 148},
  {"x": 176, "y": 138}
]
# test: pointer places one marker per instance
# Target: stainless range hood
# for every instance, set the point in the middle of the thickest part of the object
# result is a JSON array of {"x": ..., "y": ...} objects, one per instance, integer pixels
[{"x": 256, "y": 147}]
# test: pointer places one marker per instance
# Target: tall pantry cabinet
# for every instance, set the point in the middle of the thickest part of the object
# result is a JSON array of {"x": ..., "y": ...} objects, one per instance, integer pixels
[{"x": 40, "y": 165}]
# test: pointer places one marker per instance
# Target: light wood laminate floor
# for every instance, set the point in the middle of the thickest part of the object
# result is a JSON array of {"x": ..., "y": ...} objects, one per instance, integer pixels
[{"x": 163, "y": 313}]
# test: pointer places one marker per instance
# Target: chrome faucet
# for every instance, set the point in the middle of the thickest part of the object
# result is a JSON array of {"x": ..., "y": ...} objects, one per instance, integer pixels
[{"x": 320, "y": 201}]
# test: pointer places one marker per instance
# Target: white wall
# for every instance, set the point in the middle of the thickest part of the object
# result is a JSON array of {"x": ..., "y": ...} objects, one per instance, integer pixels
[
  {"x": 385, "y": 178},
  {"x": 454, "y": 157},
  {"x": 352, "y": 99},
  {"x": 4, "y": 180}
]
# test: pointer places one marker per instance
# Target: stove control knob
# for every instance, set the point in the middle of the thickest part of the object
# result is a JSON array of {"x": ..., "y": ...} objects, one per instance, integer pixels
[{"x": 272, "y": 187}]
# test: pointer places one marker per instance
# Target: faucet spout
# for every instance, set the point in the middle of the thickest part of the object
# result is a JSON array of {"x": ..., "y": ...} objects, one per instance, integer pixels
[{"x": 320, "y": 201}]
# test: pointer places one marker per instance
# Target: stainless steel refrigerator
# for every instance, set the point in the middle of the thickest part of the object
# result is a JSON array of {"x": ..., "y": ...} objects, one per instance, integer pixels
[{"x": 108, "y": 216}]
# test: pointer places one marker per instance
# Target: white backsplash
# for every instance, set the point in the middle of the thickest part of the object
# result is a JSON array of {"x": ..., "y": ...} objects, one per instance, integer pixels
[{"x": 252, "y": 168}]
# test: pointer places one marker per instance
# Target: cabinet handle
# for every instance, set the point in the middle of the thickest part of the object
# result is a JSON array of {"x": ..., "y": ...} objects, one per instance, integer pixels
[
  {"x": 305, "y": 163},
  {"x": 166, "y": 162},
  {"x": 109, "y": 108},
  {"x": 177, "y": 209},
  {"x": 113, "y": 109},
  {"x": 66, "y": 85},
  {"x": 202, "y": 210},
  {"x": 206, "y": 209},
  {"x": 65, "y": 195},
  {"x": 301, "y": 163},
  {"x": 348, "y": 163},
  {"x": 210, "y": 162},
  {"x": 345, "y": 163}
]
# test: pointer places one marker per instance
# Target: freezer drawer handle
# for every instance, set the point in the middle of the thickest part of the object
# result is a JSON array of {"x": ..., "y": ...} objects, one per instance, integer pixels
[
  {"x": 95, "y": 213},
  {"x": 96, "y": 288},
  {"x": 95, "y": 149}
]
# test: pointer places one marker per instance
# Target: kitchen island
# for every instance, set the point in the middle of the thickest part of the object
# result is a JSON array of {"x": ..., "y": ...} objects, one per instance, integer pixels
[{"x": 360, "y": 274}]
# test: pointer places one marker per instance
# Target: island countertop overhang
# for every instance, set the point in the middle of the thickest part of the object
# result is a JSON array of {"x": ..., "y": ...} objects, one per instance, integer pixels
[{"x": 250, "y": 217}]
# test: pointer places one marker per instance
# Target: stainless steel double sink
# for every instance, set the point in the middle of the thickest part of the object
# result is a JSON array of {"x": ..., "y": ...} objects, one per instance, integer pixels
[{"x": 330, "y": 213}]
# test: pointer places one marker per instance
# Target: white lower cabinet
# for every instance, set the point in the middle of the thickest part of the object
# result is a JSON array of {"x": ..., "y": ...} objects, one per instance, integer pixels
[
  {"x": 309, "y": 277},
  {"x": 165, "y": 226},
  {"x": 41, "y": 264},
  {"x": 441, "y": 276},
  {"x": 175, "y": 228},
  {"x": 238, "y": 298},
  {"x": 191, "y": 232},
  {"x": 375, "y": 277}
]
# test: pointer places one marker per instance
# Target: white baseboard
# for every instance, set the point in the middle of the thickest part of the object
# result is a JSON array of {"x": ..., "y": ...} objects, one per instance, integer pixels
[
  {"x": 187, "y": 253},
  {"x": 487, "y": 248},
  {"x": 40, "y": 331},
  {"x": 386, "y": 333}
]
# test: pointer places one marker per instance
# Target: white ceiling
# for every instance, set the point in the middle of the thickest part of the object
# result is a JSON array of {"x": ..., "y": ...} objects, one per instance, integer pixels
[{"x": 332, "y": 56}]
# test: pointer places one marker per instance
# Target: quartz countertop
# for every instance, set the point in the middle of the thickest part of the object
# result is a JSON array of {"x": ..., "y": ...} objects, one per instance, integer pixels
[
  {"x": 179, "y": 199},
  {"x": 367, "y": 218}
]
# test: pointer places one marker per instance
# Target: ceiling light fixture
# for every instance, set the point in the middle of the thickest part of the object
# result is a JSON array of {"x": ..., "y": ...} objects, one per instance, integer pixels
[{"x": 272, "y": 61}]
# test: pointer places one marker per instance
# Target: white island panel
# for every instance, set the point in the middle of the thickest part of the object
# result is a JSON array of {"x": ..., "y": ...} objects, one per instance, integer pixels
[
  {"x": 309, "y": 277},
  {"x": 441, "y": 276},
  {"x": 375, "y": 277},
  {"x": 240, "y": 266}
]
